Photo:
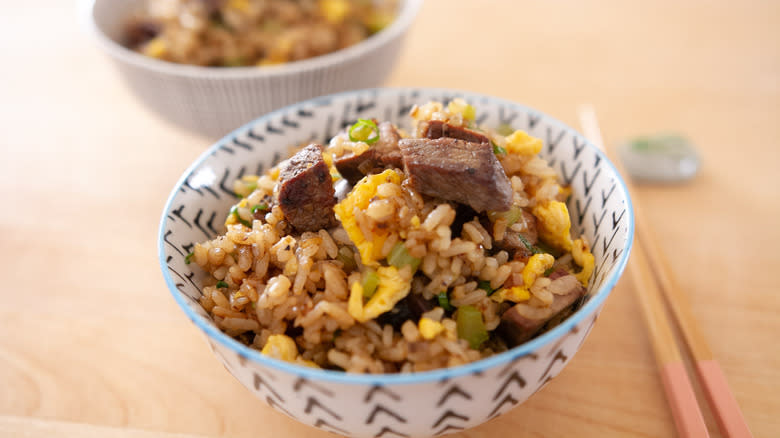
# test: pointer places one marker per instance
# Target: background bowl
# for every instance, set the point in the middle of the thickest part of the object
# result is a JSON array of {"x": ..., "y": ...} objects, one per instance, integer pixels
[
  {"x": 213, "y": 101},
  {"x": 419, "y": 404}
]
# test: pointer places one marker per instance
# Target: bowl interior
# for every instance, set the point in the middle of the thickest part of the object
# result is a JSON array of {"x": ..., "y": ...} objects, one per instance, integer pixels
[{"x": 599, "y": 206}]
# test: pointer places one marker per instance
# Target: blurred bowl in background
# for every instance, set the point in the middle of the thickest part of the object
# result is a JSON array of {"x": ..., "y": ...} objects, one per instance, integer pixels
[{"x": 214, "y": 100}]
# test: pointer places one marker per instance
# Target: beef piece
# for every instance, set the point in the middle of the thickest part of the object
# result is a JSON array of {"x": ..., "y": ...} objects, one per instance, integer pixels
[
  {"x": 457, "y": 170},
  {"x": 410, "y": 308},
  {"x": 558, "y": 273},
  {"x": 437, "y": 129},
  {"x": 139, "y": 32},
  {"x": 513, "y": 242},
  {"x": 382, "y": 154},
  {"x": 518, "y": 328},
  {"x": 306, "y": 194}
]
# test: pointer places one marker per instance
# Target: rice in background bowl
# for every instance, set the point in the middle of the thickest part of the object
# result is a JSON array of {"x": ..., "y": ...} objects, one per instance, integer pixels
[
  {"x": 212, "y": 101},
  {"x": 423, "y": 401}
]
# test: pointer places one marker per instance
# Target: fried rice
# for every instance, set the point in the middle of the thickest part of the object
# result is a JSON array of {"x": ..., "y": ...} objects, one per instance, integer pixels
[
  {"x": 404, "y": 281},
  {"x": 233, "y": 33}
]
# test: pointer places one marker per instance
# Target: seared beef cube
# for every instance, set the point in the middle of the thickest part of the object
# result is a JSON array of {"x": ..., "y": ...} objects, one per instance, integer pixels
[
  {"x": 517, "y": 243},
  {"x": 437, "y": 129},
  {"x": 457, "y": 170},
  {"x": 139, "y": 32},
  {"x": 518, "y": 326},
  {"x": 382, "y": 154},
  {"x": 306, "y": 194}
]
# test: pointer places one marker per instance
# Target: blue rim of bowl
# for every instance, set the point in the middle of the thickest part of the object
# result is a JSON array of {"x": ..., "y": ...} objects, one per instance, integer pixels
[
  {"x": 397, "y": 29},
  {"x": 396, "y": 379}
]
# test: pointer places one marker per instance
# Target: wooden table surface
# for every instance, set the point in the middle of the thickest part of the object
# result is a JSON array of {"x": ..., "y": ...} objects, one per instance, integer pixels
[{"x": 91, "y": 343}]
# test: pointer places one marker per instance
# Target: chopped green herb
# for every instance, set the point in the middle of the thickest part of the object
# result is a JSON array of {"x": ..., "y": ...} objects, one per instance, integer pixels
[
  {"x": 362, "y": 130},
  {"x": 485, "y": 285},
  {"x": 399, "y": 257},
  {"x": 345, "y": 256},
  {"x": 221, "y": 284},
  {"x": 528, "y": 246},
  {"x": 444, "y": 301},
  {"x": 505, "y": 129},
  {"x": 498, "y": 150},
  {"x": 370, "y": 282},
  {"x": 234, "y": 62},
  {"x": 549, "y": 271},
  {"x": 512, "y": 215},
  {"x": 471, "y": 327},
  {"x": 259, "y": 207},
  {"x": 188, "y": 258},
  {"x": 234, "y": 212}
]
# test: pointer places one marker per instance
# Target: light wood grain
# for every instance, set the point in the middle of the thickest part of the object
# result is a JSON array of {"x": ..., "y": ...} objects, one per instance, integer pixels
[{"x": 89, "y": 334}]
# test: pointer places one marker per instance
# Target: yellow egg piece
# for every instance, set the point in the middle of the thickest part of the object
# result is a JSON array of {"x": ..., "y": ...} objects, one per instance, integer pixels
[
  {"x": 514, "y": 294},
  {"x": 281, "y": 347},
  {"x": 554, "y": 224},
  {"x": 334, "y": 10},
  {"x": 429, "y": 328},
  {"x": 583, "y": 257},
  {"x": 519, "y": 142},
  {"x": 392, "y": 289},
  {"x": 537, "y": 264},
  {"x": 359, "y": 198}
]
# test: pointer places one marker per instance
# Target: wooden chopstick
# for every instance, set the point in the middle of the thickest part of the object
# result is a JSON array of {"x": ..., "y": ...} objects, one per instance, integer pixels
[{"x": 650, "y": 266}]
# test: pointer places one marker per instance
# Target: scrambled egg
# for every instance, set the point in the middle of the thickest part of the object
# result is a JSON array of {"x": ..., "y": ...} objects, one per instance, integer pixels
[
  {"x": 554, "y": 224},
  {"x": 392, "y": 289},
  {"x": 281, "y": 347},
  {"x": 514, "y": 294},
  {"x": 239, "y": 5},
  {"x": 582, "y": 256},
  {"x": 359, "y": 197},
  {"x": 429, "y": 328},
  {"x": 155, "y": 48},
  {"x": 537, "y": 264},
  {"x": 334, "y": 10},
  {"x": 519, "y": 142}
]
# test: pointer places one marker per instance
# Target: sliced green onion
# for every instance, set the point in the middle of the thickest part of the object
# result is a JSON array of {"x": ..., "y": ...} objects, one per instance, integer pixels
[
  {"x": 549, "y": 271},
  {"x": 498, "y": 150},
  {"x": 234, "y": 212},
  {"x": 263, "y": 207},
  {"x": 471, "y": 327},
  {"x": 444, "y": 301},
  {"x": 528, "y": 246},
  {"x": 221, "y": 284},
  {"x": 361, "y": 131},
  {"x": 505, "y": 129},
  {"x": 234, "y": 62},
  {"x": 370, "y": 283},
  {"x": 188, "y": 258},
  {"x": 345, "y": 256},
  {"x": 485, "y": 285},
  {"x": 512, "y": 215},
  {"x": 399, "y": 257}
]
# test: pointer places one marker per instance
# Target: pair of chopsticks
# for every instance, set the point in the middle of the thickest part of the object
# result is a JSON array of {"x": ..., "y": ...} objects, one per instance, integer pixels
[{"x": 652, "y": 278}]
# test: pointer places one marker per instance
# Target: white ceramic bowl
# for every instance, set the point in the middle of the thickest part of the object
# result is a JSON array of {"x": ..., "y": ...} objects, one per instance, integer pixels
[
  {"x": 213, "y": 101},
  {"x": 391, "y": 405}
]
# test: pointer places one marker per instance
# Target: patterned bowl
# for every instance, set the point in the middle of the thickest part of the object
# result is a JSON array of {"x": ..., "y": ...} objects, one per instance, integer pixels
[
  {"x": 213, "y": 101},
  {"x": 395, "y": 405}
]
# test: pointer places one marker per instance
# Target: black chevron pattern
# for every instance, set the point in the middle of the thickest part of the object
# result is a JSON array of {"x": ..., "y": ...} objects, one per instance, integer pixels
[{"x": 598, "y": 210}]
